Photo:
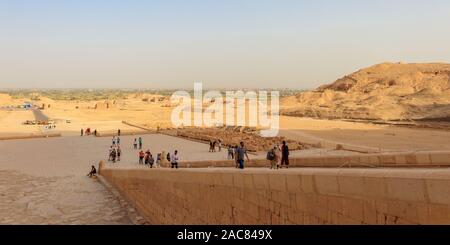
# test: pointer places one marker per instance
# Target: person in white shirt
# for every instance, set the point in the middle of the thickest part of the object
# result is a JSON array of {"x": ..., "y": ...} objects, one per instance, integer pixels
[{"x": 174, "y": 159}]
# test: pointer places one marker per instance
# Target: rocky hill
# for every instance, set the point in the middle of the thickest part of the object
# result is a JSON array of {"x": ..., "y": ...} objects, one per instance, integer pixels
[{"x": 388, "y": 91}]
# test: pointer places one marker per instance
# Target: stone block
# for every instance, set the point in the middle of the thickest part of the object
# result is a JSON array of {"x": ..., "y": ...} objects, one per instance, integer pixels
[
  {"x": 400, "y": 159},
  {"x": 248, "y": 181},
  {"x": 277, "y": 182},
  {"x": 261, "y": 181},
  {"x": 439, "y": 215},
  {"x": 354, "y": 209},
  {"x": 375, "y": 187},
  {"x": 370, "y": 213},
  {"x": 440, "y": 158},
  {"x": 351, "y": 185},
  {"x": 387, "y": 159},
  {"x": 438, "y": 191},
  {"x": 307, "y": 183},
  {"x": 293, "y": 183},
  {"x": 411, "y": 158},
  {"x": 336, "y": 204},
  {"x": 238, "y": 180},
  {"x": 403, "y": 189},
  {"x": 403, "y": 210},
  {"x": 326, "y": 184},
  {"x": 423, "y": 159}
]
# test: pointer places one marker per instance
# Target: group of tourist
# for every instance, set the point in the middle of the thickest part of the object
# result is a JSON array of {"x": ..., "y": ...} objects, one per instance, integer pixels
[
  {"x": 238, "y": 153},
  {"x": 213, "y": 144},
  {"x": 114, "y": 151},
  {"x": 137, "y": 142},
  {"x": 87, "y": 132},
  {"x": 147, "y": 158},
  {"x": 279, "y": 156}
]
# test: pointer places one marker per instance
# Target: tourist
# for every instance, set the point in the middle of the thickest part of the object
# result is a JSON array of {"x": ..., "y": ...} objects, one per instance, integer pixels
[
  {"x": 235, "y": 156},
  {"x": 214, "y": 146},
  {"x": 147, "y": 157},
  {"x": 95, "y": 132},
  {"x": 210, "y": 146},
  {"x": 135, "y": 144},
  {"x": 230, "y": 152},
  {"x": 118, "y": 132},
  {"x": 118, "y": 140},
  {"x": 140, "y": 143},
  {"x": 220, "y": 145},
  {"x": 151, "y": 160},
  {"x": 110, "y": 154},
  {"x": 174, "y": 159},
  {"x": 119, "y": 152},
  {"x": 241, "y": 152},
  {"x": 168, "y": 157},
  {"x": 284, "y": 155},
  {"x": 82, "y": 132},
  {"x": 93, "y": 172},
  {"x": 158, "y": 159},
  {"x": 274, "y": 156},
  {"x": 141, "y": 157},
  {"x": 113, "y": 155}
]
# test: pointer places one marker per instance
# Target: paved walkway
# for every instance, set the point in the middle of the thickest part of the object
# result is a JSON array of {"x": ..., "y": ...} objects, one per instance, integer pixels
[{"x": 27, "y": 199}]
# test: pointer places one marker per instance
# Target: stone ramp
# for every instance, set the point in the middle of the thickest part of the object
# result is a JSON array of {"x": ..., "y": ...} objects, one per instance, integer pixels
[{"x": 28, "y": 199}]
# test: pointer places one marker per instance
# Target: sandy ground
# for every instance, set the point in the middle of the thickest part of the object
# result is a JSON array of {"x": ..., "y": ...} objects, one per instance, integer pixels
[
  {"x": 151, "y": 115},
  {"x": 386, "y": 138},
  {"x": 11, "y": 123}
]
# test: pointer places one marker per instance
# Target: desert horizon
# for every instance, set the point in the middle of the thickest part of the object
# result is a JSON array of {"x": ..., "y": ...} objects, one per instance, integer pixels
[{"x": 265, "y": 120}]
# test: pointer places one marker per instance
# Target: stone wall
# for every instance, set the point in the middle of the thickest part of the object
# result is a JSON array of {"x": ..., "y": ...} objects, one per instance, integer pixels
[
  {"x": 399, "y": 160},
  {"x": 294, "y": 196}
]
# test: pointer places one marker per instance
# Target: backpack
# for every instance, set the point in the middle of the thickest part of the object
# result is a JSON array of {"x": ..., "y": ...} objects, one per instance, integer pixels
[{"x": 271, "y": 155}]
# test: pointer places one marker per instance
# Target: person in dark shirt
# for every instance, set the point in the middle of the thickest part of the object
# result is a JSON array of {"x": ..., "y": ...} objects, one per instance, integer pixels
[
  {"x": 284, "y": 155},
  {"x": 93, "y": 172},
  {"x": 241, "y": 151}
]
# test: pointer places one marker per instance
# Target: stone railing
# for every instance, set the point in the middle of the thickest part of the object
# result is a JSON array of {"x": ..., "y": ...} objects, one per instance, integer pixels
[{"x": 294, "y": 196}]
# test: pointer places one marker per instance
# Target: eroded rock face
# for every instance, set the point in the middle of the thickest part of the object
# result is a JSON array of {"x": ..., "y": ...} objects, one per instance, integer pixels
[
  {"x": 388, "y": 91},
  {"x": 232, "y": 136}
]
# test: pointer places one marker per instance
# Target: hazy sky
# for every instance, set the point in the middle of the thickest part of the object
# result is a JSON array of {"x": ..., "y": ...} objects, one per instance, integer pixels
[{"x": 228, "y": 43}]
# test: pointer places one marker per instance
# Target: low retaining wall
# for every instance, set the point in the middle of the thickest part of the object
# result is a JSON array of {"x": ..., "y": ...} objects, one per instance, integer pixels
[
  {"x": 295, "y": 196},
  {"x": 412, "y": 159},
  {"x": 32, "y": 136},
  {"x": 122, "y": 133}
]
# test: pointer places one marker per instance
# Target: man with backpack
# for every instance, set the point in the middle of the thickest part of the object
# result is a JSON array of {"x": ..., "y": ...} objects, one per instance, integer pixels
[{"x": 273, "y": 156}]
